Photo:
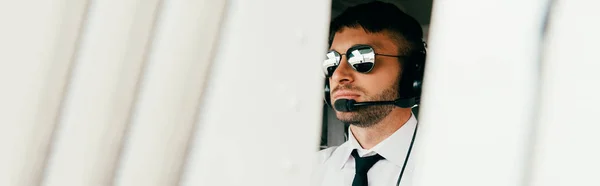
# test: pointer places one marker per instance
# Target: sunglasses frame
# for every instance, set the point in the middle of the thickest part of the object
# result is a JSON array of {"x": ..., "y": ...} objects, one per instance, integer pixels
[{"x": 338, "y": 58}]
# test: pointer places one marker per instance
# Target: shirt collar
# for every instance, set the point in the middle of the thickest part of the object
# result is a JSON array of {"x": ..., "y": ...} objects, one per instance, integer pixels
[{"x": 393, "y": 148}]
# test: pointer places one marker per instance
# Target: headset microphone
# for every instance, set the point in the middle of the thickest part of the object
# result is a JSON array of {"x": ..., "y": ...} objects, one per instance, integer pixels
[{"x": 349, "y": 105}]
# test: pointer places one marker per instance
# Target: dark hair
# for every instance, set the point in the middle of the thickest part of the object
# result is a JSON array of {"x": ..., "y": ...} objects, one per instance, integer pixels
[{"x": 375, "y": 17}]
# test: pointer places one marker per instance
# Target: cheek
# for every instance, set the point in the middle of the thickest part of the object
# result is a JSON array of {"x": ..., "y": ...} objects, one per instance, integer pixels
[
  {"x": 376, "y": 85},
  {"x": 380, "y": 81}
]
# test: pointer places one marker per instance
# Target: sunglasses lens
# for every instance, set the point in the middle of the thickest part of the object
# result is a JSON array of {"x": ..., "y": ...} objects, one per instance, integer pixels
[
  {"x": 331, "y": 63},
  {"x": 362, "y": 59}
]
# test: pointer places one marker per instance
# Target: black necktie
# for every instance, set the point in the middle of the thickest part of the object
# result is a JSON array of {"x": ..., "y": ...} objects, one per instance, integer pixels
[{"x": 362, "y": 167}]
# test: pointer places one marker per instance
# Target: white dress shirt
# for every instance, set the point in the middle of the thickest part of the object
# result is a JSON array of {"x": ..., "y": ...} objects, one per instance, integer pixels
[{"x": 336, "y": 166}]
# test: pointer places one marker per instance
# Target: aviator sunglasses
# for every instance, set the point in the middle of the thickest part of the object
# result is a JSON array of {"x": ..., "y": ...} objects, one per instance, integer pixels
[{"x": 360, "y": 57}]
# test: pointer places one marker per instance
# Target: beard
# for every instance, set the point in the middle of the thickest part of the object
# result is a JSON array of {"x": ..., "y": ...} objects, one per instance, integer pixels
[{"x": 368, "y": 116}]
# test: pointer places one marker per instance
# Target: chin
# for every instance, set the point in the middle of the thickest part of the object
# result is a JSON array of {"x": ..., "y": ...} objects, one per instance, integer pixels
[{"x": 344, "y": 116}]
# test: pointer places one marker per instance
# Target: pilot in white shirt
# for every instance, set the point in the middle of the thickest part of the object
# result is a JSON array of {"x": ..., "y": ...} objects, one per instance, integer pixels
[{"x": 374, "y": 71}]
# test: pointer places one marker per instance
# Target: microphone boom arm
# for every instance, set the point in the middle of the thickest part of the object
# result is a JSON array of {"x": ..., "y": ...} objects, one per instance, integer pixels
[{"x": 346, "y": 105}]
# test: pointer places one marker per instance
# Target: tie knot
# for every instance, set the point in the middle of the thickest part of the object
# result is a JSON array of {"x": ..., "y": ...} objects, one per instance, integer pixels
[{"x": 363, "y": 164}]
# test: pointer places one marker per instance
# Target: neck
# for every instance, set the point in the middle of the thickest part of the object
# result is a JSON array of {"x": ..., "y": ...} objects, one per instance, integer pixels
[{"x": 370, "y": 136}]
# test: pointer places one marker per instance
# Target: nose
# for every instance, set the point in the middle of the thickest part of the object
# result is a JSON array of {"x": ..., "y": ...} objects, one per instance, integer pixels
[{"x": 343, "y": 73}]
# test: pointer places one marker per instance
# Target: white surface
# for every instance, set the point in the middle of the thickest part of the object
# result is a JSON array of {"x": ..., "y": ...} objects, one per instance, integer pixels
[
  {"x": 101, "y": 92},
  {"x": 479, "y": 95},
  {"x": 260, "y": 117},
  {"x": 567, "y": 151},
  {"x": 37, "y": 42},
  {"x": 170, "y": 93}
]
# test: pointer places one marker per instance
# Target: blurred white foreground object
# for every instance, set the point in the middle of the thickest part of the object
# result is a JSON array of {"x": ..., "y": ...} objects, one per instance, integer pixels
[
  {"x": 479, "y": 94},
  {"x": 567, "y": 148}
]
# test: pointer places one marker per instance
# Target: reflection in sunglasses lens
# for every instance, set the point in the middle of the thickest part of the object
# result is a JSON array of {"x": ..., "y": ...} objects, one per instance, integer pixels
[{"x": 360, "y": 59}]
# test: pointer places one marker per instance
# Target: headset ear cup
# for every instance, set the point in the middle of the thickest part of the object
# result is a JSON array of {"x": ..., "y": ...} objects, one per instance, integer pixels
[
  {"x": 418, "y": 76},
  {"x": 412, "y": 76},
  {"x": 407, "y": 79},
  {"x": 327, "y": 93},
  {"x": 420, "y": 72}
]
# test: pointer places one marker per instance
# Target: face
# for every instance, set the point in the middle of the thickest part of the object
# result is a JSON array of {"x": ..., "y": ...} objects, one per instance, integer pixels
[{"x": 380, "y": 84}]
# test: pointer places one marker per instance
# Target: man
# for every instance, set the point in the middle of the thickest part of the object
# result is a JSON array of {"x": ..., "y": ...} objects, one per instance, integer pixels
[{"x": 376, "y": 54}]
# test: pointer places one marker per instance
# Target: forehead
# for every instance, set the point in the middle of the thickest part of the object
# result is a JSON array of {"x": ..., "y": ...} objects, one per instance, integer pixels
[{"x": 382, "y": 42}]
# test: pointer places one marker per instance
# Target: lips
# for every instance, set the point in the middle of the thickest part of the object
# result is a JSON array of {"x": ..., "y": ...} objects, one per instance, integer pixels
[{"x": 344, "y": 94}]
